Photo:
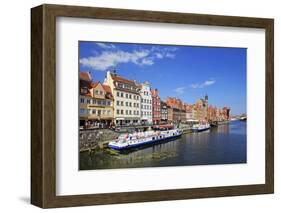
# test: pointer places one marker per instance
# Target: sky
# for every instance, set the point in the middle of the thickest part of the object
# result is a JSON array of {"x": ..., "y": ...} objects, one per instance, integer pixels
[{"x": 185, "y": 72}]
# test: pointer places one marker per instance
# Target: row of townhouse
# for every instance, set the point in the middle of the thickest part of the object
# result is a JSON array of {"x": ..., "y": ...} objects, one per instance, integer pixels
[
  {"x": 122, "y": 102},
  {"x": 201, "y": 111},
  {"x": 117, "y": 101}
]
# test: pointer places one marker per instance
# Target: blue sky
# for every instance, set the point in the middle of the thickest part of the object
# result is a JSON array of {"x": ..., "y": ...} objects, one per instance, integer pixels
[{"x": 186, "y": 72}]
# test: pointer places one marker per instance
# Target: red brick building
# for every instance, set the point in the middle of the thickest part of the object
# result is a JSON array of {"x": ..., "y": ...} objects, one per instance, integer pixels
[
  {"x": 226, "y": 113},
  {"x": 177, "y": 112},
  {"x": 156, "y": 106}
]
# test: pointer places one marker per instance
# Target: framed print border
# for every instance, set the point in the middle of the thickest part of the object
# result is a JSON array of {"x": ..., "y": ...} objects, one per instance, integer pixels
[{"x": 43, "y": 105}]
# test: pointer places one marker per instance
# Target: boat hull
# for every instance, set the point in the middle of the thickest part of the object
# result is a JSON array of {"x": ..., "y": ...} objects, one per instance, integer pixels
[
  {"x": 200, "y": 130},
  {"x": 145, "y": 144}
]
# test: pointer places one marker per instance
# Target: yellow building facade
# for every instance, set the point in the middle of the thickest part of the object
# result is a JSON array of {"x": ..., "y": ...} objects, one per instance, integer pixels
[{"x": 96, "y": 107}]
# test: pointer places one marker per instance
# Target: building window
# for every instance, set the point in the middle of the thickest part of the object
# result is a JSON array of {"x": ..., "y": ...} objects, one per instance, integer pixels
[
  {"x": 94, "y": 101},
  {"x": 117, "y": 111},
  {"x": 126, "y": 112},
  {"x": 94, "y": 111},
  {"x": 121, "y": 103},
  {"x": 99, "y": 102},
  {"x": 101, "y": 93},
  {"x": 121, "y": 111},
  {"x": 108, "y": 103},
  {"x": 96, "y": 92},
  {"x": 126, "y": 95},
  {"x": 82, "y": 100},
  {"x": 117, "y": 103},
  {"x": 117, "y": 94},
  {"x": 82, "y": 111},
  {"x": 130, "y": 96},
  {"x": 122, "y": 94},
  {"x": 130, "y": 104}
]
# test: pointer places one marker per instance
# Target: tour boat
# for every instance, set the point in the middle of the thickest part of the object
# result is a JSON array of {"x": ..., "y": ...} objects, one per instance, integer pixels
[
  {"x": 143, "y": 138},
  {"x": 201, "y": 127}
]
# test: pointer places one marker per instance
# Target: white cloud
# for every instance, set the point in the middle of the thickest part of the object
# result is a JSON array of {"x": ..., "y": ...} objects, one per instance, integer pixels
[
  {"x": 147, "y": 61},
  {"x": 111, "y": 58},
  {"x": 159, "y": 55},
  {"x": 180, "y": 90},
  {"x": 106, "y": 46},
  {"x": 202, "y": 85},
  {"x": 164, "y": 52},
  {"x": 209, "y": 82},
  {"x": 170, "y": 55}
]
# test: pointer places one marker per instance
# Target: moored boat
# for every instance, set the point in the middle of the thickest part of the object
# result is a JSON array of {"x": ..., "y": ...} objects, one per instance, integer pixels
[
  {"x": 201, "y": 127},
  {"x": 135, "y": 140}
]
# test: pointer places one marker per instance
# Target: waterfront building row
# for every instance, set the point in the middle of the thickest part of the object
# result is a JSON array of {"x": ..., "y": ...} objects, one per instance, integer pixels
[{"x": 122, "y": 102}]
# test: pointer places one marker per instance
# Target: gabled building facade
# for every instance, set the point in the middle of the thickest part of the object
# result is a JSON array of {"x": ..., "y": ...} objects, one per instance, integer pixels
[
  {"x": 156, "y": 107},
  {"x": 145, "y": 104},
  {"x": 126, "y": 94},
  {"x": 96, "y": 106},
  {"x": 177, "y": 111},
  {"x": 164, "y": 112}
]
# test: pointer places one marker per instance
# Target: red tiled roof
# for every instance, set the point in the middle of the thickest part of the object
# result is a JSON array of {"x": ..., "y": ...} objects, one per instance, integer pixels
[
  {"x": 107, "y": 88},
  {"x": 93, "y": 85},
  {"x": 123, "y": 80},
  {"x": 85, "y": 76}
]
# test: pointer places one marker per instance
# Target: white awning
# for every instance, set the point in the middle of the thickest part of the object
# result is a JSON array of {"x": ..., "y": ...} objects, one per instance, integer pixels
[{"x": 192, "y": 120}]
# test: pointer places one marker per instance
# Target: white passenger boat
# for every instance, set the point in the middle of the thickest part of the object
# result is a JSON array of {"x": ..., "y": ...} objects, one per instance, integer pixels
[
  {"x": 143, "y": 138},
  {"x": 201, "y": 127}
]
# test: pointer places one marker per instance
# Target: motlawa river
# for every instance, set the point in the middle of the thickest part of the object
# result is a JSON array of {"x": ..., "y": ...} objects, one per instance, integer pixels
[{"x": 225, "y": 144}]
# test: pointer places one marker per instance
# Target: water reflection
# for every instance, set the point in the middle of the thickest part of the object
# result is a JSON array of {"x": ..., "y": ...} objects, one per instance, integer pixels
[{"x": 224, "y": 144}]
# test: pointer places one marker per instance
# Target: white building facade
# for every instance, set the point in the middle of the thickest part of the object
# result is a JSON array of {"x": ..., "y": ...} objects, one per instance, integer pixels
[
  {"x": 126, "y": 96},
  {"x": 146, "y": 104}
]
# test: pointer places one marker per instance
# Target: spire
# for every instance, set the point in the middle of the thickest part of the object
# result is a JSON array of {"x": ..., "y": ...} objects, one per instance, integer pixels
[{"x": 206, "y": 97}]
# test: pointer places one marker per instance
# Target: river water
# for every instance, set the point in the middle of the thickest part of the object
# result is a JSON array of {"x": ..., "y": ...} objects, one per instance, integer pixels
[{"x": 225, "y": 144}]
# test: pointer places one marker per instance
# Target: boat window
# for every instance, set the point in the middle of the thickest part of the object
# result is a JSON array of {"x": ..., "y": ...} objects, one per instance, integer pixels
[{"x": 152, "y": 138}]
